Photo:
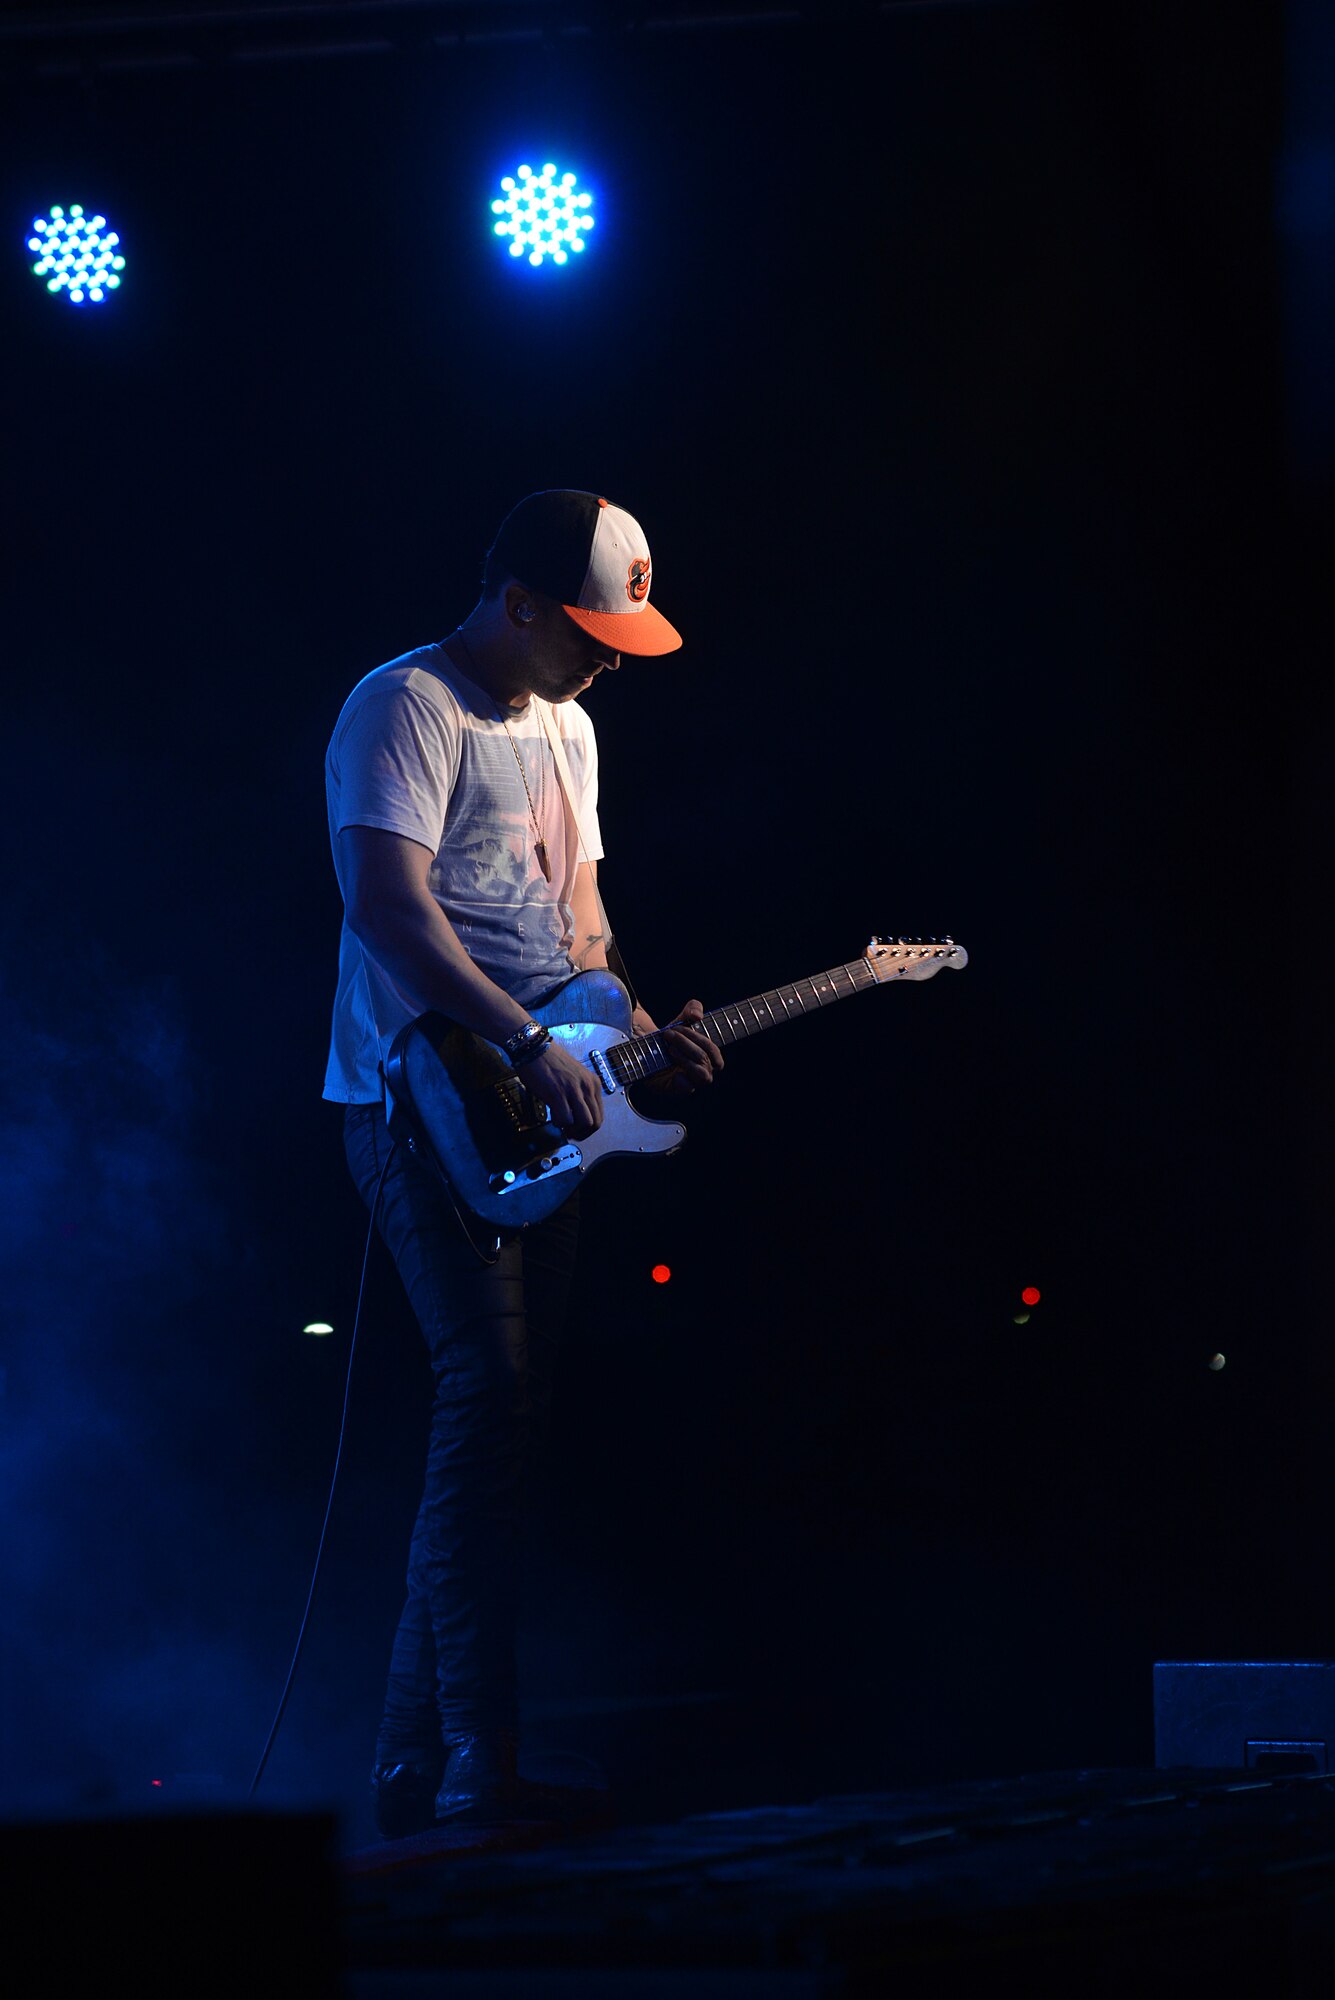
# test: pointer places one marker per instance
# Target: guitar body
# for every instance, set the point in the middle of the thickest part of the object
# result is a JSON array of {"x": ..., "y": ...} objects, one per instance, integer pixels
[
  {"x": 459, "y": 1098},
  {"x": 464, "y": 1107}
]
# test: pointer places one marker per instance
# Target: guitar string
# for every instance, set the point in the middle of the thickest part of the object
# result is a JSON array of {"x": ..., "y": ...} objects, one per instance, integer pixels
[
  {"x": 629, "y": 1056},
  {"x": 644, "y": 1055},
  {"x": 722, "y": 1029}
]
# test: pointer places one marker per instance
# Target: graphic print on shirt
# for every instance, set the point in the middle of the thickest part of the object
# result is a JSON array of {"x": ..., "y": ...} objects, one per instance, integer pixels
[
  {"x": 421, "y": 751},
  {"x": 486, "y": 874}
]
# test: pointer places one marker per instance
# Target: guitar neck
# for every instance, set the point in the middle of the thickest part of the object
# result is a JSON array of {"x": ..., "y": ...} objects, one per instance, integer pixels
[{"x": 645, "y": 1055}]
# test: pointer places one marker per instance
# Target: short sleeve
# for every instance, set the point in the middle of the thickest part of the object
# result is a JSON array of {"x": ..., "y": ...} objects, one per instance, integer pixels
[{"x": 395, "y": 760}]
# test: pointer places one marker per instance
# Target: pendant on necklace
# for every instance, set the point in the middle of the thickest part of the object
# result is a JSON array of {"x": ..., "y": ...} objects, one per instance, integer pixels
[{"x": 540, "y": 849}]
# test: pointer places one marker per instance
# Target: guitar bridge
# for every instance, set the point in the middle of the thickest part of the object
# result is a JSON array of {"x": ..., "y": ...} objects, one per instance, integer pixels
[{"x": 515, "y": 1101}]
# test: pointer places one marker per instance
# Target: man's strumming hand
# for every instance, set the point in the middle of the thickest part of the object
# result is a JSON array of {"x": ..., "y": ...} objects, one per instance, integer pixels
[{"x": 572, "y": 1093}]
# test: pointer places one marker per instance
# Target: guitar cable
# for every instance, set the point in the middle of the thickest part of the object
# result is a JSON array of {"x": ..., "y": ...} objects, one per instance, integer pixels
[
  {"x": 333, "y": 1482},
  {"x": 616, "y": 965},
  {"x": 485, "y": 1257}
]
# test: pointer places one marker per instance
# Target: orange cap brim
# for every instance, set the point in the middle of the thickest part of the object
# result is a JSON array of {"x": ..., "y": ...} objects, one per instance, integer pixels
[{"x": 646, "y": 631}]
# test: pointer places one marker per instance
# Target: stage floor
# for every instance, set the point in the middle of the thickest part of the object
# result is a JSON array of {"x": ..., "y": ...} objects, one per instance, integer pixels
[{"x": 1081, "y": 1882}]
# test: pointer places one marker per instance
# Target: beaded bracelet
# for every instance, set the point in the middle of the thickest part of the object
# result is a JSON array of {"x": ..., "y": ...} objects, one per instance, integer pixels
[{"x": 526, "y": 1042}]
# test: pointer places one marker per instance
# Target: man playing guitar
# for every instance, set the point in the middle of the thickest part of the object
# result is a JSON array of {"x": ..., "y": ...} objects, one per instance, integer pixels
[{"x": 462, "y": 786}]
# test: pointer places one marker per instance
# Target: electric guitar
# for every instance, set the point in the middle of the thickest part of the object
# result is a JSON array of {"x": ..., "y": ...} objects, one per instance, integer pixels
[{"x": 489, "y": 1135}]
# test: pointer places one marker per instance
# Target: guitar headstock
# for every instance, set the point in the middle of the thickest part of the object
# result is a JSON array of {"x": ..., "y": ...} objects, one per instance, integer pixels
[{"x": 913, "y": 958}]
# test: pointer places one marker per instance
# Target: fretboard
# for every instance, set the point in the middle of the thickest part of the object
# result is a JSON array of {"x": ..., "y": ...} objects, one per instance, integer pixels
[{"x": 645, "y": 1055}]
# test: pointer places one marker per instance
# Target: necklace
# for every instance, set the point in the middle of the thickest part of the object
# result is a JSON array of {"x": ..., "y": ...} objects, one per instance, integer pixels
[{"x": 539, "y": 844}]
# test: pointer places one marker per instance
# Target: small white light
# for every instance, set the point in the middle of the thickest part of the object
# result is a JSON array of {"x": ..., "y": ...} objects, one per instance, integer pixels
[{"x": 318, "y": 1326}]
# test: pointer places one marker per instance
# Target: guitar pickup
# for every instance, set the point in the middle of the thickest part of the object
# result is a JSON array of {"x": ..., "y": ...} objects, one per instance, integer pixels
[{"x": 603, "y": 1070}]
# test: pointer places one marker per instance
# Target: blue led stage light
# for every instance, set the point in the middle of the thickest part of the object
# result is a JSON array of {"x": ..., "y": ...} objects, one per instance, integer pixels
[
  {"x": 76, "y": 254},
  {"x": 543, "y": 215}
]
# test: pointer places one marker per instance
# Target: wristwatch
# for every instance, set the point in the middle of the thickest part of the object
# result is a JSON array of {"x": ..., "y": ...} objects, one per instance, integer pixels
[{"x": 526, "y": 1042}]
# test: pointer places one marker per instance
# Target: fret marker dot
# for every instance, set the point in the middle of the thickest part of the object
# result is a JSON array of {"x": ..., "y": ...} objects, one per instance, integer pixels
[{"x": 660, "y": 1274}]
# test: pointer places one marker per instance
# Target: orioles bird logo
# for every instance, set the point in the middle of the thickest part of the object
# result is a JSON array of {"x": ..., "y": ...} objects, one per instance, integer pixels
[{"x": 637, "y": 580}]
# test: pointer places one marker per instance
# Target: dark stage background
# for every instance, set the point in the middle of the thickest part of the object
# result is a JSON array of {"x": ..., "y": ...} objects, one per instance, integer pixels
[{"x": 965, "y": 365}]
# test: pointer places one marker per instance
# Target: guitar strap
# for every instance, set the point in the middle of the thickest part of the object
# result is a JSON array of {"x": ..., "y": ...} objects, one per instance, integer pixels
[{"x": 615, "y": 963}]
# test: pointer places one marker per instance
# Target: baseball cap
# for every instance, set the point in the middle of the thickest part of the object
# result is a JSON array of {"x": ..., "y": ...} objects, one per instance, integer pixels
[{"x": 593, "y": 559}]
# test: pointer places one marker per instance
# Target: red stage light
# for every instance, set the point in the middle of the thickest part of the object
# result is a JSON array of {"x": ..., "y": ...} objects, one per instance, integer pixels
[
  {"x": 1031, "y": 1295},
  {"x": 660, "y": 1274}
]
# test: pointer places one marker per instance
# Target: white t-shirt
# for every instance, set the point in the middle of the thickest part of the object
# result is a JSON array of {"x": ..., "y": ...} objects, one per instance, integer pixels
[{"x": 422, "y": 751}]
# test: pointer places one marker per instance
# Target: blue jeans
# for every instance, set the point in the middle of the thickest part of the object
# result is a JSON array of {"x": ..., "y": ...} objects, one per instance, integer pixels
[{"x": 492, "y": 1334}]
